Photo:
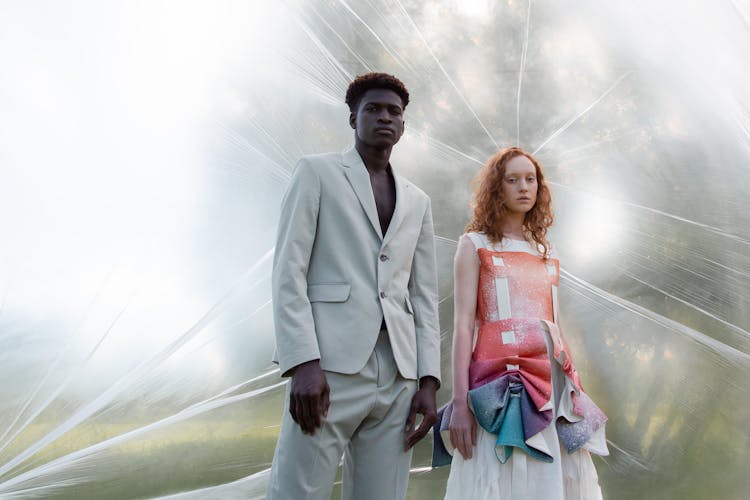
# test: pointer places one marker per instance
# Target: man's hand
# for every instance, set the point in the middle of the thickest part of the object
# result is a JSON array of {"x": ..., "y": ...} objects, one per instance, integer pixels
[
  {"x": 423, "y": 403},
  {"x": 309, "y": 396},
  {"x": 463, "y": 427}
]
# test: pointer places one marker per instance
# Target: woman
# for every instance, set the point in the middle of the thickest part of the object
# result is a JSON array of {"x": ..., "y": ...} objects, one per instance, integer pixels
[{"x": 519, "y": 418}]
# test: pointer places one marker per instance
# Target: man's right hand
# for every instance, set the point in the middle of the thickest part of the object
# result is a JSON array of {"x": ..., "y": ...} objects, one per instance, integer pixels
[{"x": 309, "y": 398}]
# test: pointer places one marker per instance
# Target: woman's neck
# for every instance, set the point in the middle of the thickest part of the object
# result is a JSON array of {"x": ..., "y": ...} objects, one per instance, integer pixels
[{"x": 513, "y": 227}]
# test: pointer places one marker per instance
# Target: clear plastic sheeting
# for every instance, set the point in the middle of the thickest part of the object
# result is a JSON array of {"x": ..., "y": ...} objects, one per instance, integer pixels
[{"x": 144, "y": 149}]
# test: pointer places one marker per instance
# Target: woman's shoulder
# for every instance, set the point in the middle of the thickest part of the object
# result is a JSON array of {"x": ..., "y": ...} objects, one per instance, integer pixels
[
  {"x": 481, "y": 240},
  {"x": 478, "y": 239}
]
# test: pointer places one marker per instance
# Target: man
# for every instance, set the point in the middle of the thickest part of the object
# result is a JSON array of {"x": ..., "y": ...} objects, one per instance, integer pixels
[{"x": 355, "y": 311}]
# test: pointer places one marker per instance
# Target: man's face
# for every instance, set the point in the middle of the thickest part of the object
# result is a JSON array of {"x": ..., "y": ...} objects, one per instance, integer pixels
[{"x": 379, "y": 119}]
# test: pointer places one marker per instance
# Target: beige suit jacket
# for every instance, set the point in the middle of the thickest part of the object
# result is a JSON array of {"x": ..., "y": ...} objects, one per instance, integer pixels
[{"x": 335, "y": 276}]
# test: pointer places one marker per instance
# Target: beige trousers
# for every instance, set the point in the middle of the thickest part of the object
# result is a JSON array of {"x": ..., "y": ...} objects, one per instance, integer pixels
[{"x": 365, "y": 424}]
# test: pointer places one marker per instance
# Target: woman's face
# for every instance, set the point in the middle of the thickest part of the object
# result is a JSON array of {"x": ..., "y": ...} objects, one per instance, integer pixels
[{"x": 520, "y": 185}]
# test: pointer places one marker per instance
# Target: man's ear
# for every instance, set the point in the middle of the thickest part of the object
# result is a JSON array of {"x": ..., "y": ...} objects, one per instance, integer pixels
[{"x": 353, "y": 120}]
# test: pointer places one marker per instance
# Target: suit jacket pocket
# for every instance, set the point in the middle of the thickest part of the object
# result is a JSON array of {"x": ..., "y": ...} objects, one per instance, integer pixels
[{"x": 328, "y": 292}]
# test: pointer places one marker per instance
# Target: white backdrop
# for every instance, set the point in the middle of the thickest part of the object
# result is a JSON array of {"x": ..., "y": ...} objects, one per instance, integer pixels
[{"x": 144, "y": 149}]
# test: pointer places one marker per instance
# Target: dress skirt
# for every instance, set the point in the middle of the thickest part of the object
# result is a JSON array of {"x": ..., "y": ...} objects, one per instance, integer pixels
[
  {"x": 483, "y": 477},
  {"x": 521, "y": 477}
]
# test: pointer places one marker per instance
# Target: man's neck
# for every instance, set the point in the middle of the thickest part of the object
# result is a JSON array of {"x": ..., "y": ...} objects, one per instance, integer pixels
[{"x": 376, "y": 160}]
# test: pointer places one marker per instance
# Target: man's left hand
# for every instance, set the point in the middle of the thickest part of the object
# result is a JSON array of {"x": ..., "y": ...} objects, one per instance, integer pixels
[{"x": 424, "y": 403}]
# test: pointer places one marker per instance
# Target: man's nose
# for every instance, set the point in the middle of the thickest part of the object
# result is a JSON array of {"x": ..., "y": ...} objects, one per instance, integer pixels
[{"x": 384, "y": 116}]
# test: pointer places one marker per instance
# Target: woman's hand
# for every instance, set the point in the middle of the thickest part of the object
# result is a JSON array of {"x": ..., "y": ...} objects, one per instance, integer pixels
[{"x": 463, "y": 427}]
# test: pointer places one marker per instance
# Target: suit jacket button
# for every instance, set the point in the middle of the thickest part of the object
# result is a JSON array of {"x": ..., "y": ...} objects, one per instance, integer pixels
[
  {"x": 382, "y": 295},
  {"x": 383, "y": 257}
]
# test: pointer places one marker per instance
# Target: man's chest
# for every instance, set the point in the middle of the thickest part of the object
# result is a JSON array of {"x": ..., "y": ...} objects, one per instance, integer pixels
[{"x": 384, "y": 192}]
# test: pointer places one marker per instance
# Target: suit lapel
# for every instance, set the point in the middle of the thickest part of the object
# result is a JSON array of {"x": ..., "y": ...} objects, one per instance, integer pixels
[
  {"x": 357, "y": 175},
  {"x": 402, "y": 193}
]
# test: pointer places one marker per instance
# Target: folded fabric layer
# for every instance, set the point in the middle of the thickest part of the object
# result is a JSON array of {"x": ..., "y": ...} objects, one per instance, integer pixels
[
  {"x": 580, "y": 433},
  {"x": 442, "y": 450},
  {"x": 504, "y": 408},
  {"x": 513, "y": 344}
]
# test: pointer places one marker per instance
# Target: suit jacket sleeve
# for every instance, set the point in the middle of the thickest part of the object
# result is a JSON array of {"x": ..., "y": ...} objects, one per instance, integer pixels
[
  {"x": 424, "y": 298},
  {"x": 296, "y": 341}
]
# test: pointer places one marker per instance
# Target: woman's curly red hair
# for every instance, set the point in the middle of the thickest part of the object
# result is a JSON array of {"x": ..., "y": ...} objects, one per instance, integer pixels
[{"x": 488, "y": 201}]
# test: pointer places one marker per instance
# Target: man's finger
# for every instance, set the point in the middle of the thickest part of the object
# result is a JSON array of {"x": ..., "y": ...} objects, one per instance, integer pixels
[
  {"x": 410, "y": 419},
  {"x": 317, "y": 410},
  {"x": 424, "y": 428},
  {"x": 326, "y": 400},
  {"x": 301, "y": 414},
  {"x": 415, "y": 436},
  {"x": 413, "y": 439},
  {"x": 409, "y": 441},
  {"x": 293, "y": 408},
  {"x": 306, "y": 416}
]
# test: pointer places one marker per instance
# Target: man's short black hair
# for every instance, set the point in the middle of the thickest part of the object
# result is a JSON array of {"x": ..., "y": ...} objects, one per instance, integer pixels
[{"x": 370, "y": 81}]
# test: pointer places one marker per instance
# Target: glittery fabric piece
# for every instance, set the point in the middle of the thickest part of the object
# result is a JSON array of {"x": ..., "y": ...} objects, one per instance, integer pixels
[
  {"x": 573, "y": 435},
  {"x": 510, "y": 377},
  {"x": 529, "y": 284}
]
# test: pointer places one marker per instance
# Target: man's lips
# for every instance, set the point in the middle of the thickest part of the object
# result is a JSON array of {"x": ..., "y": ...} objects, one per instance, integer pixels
[{"x": 386, "y": 130}]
